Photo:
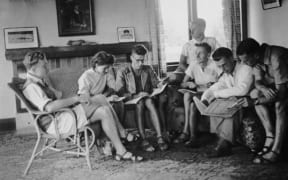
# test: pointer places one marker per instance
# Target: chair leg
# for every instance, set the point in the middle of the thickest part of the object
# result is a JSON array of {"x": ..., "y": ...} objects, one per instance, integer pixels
[
  {"x": 32, "y": 156},
  {"x": 44, "y": 145},
  {"x": 87, "y": 149}
]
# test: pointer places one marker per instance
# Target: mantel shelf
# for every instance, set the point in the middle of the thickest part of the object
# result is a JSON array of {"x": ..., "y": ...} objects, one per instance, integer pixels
[{"x": 74, "y": 51}]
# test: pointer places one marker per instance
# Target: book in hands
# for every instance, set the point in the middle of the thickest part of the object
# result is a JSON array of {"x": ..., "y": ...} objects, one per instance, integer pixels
[
  {"x": 155, "y": 92},
  {"x": 115, "y": 99},
  {"x": 218, "y": 108},
  {"x": 183, "y": 91}
]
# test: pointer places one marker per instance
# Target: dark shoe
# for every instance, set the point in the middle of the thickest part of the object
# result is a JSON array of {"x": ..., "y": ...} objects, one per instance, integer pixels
[
  {"x": 192, "y": 143},
  {"x": 162, "y": 144},
  {"x": 182, "y": 138},
  {"x": 146, "y": 146},
  {"x": 266, "y": 149},
  {"x": 222, "y": 149}
]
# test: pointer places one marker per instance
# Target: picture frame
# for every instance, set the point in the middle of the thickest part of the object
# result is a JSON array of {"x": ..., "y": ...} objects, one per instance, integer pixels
[
  {"x": 268, "y": 4},
  {"x": 75, "y": 17},
  {"x": 21, "y": 37},
  {"x": 126, "y": 34}
]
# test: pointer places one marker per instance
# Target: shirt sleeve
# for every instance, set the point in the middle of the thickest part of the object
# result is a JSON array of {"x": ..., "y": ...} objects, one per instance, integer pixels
[
  {"x": 189, "y": 71},
  {"x": 280, "y": 68},
  {"x": 111, "y": 79},
  {"x": 242, "y": 87},
  {"x": 36, "y": 96},
  {"x": 215, "y": 87},
  {"x": 83, "y": 85},
  {"x": 185, "y": 50}
]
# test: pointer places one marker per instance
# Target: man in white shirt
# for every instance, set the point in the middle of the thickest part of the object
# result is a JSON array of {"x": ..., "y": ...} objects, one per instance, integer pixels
[
  {"x": 236, "y": 80},
  {"x": 188, "y": 54}
]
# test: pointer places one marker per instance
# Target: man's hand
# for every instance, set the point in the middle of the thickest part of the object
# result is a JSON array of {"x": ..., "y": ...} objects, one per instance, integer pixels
[
  {"x": 190, "y": 85},
  {"x": 142, "y": 94},
  {"x": 112, "y": 98},
  {"x": 268, "y": 92},
  {"x": 244, "y": 102}
]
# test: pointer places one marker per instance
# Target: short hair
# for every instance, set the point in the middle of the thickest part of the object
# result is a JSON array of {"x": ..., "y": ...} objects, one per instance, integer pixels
[
  {"x": 198, "y": 22},
  {"x": 204, "y": 45},
  {"x": 32, "y": 58},
  {"x": 139, "y": 49},
  {"x": 248, "y": 46},
  {"x": 222, "y": 52},
  {"x": 102, "y": 58}
]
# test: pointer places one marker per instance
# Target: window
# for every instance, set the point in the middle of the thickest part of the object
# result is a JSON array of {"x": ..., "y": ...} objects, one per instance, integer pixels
[{"x": 175, "y": 19}]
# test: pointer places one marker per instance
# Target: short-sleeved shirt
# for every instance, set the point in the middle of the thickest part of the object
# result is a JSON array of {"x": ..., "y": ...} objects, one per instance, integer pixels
[
  {"x": 275, "y": 67},
  {"x": 189, "y": 48},
  {"x": 35, "y": 94},
  {"x": 203, "y": 76},
  {"x": 92, "y": 82}
]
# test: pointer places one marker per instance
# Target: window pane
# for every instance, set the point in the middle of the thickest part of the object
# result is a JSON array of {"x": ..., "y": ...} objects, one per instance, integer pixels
[
  {"x": 175, "y": 25},
  {"x": 212, "y": 12}
]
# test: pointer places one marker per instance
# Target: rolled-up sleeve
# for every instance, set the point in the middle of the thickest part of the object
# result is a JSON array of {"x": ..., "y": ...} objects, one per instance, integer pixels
[
  {"x": 280, "y": 68},
  {"x": 241, "y": 87},
  {"x": 36, "y": 96},
  {"x": 83, "y": 85}
]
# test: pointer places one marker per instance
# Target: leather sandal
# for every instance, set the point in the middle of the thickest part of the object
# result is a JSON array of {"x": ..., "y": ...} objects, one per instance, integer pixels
[
  {"x": 266, "y": 149},
  {"x": 128, "y": 156},
  {"x": 262, "y": 160}
]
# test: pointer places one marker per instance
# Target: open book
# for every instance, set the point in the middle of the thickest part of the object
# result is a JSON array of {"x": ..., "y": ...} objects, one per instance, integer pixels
[
  {"x": 155, "y": 92},
  {"x": 220, "y": 107},
  {"x": 183, "y": 91},
  {"x": 115, "y": 99}
]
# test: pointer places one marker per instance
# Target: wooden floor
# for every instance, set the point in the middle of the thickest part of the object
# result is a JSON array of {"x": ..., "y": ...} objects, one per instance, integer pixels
[{"x": 176, "y": 163}]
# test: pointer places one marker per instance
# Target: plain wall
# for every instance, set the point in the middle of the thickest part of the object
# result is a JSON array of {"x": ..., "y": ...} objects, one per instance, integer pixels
[
  {"x": 109, "y": 14},
  {"x": 270, "y": 26}
]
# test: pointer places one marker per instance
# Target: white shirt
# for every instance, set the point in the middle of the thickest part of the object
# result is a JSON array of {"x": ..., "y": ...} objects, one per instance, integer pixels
[
  {"x": 65, "y": 122},
  {"x": 189, "y": 48},
  {"x": 203, "y": 76},
  {"x": 93, "y": 83},
  {"x": 238, "y": 83}
]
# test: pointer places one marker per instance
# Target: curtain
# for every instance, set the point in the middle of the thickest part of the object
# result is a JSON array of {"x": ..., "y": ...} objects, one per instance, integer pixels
[
  {"x": 156, "y": 31},
  {"x": 232, "y": 23}
]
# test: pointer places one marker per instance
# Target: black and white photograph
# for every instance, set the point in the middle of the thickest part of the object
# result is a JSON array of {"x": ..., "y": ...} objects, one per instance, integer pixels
[{"x": 143, "y": 90}]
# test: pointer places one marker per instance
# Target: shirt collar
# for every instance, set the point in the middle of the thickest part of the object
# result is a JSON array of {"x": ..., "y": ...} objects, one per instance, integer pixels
[{"x": 34, "y": 78}]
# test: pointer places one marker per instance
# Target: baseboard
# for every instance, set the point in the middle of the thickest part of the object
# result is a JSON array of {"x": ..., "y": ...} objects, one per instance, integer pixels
[{"x": 7, "y": 124}]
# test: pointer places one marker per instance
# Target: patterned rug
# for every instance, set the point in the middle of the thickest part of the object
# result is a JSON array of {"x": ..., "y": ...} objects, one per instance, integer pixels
[{"x": 178, "y": 162}]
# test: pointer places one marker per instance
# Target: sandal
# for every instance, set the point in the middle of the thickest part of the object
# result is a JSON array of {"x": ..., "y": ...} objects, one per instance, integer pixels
[
  {"x": 266, "y": 149},
  {"x": 162, "y": 144},
  {"x": 262, "y": 160},
  {"x": 130, "y": 138},
  {"x": 182, "y": 138},
  {"x": 128, "y": 156},
  {"x": 146, "y": 146}
]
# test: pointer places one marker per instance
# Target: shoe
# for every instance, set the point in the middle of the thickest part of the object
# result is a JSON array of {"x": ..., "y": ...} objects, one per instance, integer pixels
[
  {"x": 262, "y": 160},
  {"x": 146, "y": 146},
  {"x": 162, "y": 144},
  {"x": 128, "y": 156},
  {"x": 191, "y": 143},
  {"x": 222, "y": 149},
  {"x": 266, "y": 149},
  {"x": 130, "y": 138},
  {"x": 182, "y": 138}
]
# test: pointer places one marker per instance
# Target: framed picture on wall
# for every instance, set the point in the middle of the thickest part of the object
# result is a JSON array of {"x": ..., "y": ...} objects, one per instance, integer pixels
[
  {"x": 22, "y": 37},
  {"x": 268, "y": 4},
  {"x": 126, "y": 34},
  {"x": 75, "y": 17}
]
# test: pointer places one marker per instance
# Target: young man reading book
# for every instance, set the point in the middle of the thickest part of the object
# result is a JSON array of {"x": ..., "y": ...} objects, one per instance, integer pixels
[
  {"x": 236, "y": 80},
  {"x": 138, "y": 80},
  {"x": 199, "y": 76}
]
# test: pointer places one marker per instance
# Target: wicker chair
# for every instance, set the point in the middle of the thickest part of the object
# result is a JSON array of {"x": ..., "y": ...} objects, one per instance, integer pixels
[{"x": 73, "y": 143}]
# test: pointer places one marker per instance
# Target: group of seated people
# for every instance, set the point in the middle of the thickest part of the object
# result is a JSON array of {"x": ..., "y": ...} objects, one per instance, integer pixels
[{"x": 258, "y": 79}]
